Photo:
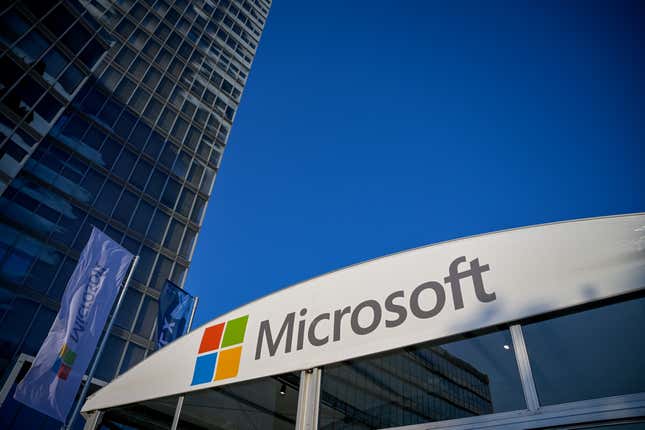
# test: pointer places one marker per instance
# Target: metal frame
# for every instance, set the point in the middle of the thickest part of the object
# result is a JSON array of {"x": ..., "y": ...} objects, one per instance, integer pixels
[{"x": 308, "y": 399}]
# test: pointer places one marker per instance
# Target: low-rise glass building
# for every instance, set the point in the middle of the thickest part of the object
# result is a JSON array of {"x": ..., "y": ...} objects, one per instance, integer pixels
[{"x": 538, "y": 327}]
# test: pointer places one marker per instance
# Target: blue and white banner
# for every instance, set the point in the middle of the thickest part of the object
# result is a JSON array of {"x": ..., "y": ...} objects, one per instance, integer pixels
[
  {"x": 175, "y": 306},
  {"x": 52, "y": 383}
]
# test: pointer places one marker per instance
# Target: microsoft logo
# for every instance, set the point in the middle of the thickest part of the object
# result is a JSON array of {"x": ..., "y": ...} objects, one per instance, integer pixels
[
  {"x": 213, "y": 365},
  {"x": 63, "y": 364}
]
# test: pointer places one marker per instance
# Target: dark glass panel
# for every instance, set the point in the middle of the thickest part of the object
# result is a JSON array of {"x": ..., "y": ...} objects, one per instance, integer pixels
[
  {"x": 141, "y": 172},
  {"x": 76, "y": 37},
  {"x": 147, "y": 317},
  {"x": 156, "y": 184},
  {"x": 251, "y": 405},
  {"x": 141, "y": 217},
  {"x": 133, "y": 355},
  {"x": 107, "y": 198},
  {"x": 170, "y": 194},
  {"x": 154, "y": 414},
  {"x": 158, "y": 226},
  {"x": 589, "y": 354},
  {"x": 128, "y": 310},
  {"x": 161, "y": 272},
  {"x": 110, "y": 358},
  {"x": 430, "y": 382},
  {"x": 125, "y": 207}
]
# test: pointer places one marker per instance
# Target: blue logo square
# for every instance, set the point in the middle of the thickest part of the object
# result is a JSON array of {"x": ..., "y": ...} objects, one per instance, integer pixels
[{"x": 204, "y": 369}]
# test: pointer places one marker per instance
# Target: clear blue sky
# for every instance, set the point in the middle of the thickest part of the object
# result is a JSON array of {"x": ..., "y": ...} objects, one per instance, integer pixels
[{"x": 372, "y": 127}]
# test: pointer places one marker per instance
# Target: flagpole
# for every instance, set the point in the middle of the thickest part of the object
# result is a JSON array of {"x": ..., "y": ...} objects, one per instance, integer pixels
[
  {"x": 90, "y": 375},
  {"x": 180, "y": 400}
]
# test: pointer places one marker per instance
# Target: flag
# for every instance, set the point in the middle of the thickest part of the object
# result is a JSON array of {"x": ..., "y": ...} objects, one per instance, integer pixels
[
  {"x": 51, "y": 385},
  {"x": 175, "y": 306}
]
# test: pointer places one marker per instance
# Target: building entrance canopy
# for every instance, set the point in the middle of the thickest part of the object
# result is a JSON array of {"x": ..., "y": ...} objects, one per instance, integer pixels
[{"x": 395, "y": 301}]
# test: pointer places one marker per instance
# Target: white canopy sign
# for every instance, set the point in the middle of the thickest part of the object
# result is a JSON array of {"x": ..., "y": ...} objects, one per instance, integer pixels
[{"x": 398, "y": 300}]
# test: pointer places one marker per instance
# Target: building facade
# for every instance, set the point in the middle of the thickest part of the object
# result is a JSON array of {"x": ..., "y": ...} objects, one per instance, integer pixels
[
  {"x": 531, "y": 328},
  {"x": 113, "y": 114}
]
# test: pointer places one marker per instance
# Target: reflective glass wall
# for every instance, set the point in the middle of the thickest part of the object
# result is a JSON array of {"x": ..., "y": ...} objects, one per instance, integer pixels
[{"x": 114, "y": 115}]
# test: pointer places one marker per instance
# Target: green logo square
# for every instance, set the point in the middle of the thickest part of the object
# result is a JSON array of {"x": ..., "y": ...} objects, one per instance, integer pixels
[
  {"x": 68, "y": 357},
  {"x": 234, "y": 332}
]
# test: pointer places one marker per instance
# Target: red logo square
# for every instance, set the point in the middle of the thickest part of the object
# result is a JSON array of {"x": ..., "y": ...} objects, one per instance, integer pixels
[
  {"x": 63, "y": 372},
  {"x": 212, "y": 338}
]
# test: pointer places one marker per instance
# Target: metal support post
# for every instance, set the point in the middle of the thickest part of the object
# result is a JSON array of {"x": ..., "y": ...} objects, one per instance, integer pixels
[
  {"x": 308, "y": 399},
  {"x": 524, "y": 366}
]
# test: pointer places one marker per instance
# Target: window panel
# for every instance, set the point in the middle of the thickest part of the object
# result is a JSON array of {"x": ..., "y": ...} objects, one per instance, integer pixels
[
  {"x": 169, "y": 196},
  {"x": 133, "y": 355},
  {"x": 147, "y": 317},
  {"x": 437, "y": 381},
  {"x": 140, "y": 175},
  {"x": 128, "y": 310},
  {"x": 124, "y": 165},
  {"x": 124, "y": 208},
  {"x": 158, "y": 226},
  {"x": 107, "y": 198},
  {"x": 141, "y": 217},
  {"x": 589, "y": 354},
  {"x": 161, "y": 272},
  {"x": 156, "y": 184}
]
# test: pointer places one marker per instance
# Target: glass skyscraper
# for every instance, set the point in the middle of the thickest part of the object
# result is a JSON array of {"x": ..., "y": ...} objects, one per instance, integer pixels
[{"x": 113, "y": 114}]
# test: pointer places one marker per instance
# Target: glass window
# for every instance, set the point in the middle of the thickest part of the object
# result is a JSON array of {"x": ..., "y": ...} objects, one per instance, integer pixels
[
  {"x": 124, "y": 164},
  {"x": 32, "y": 46},
  {"x": 195, "y": 174},
  {"x": 124, "y": 90},
  {"x": 107, "y": 198},
  {"x": 139, "y": 100},
  {"x": 181, "y": 165},
  {"x": 48, "y": 107},
  {"x": 147, "y": 317},
  {"x": 76, "y": 37},
  {"x": 133, "y": 355},
  {"x": 149, "y": 415},
  {"x": 128, "y": 310},
  {"x": 125, "y": 57},
  {"x": 154, "y": 145},
  {"x": 198, "y": 211},
  {"x": 71, "y": 78},
  {"x": 123, "y": 210},
  {"x": 14, "y": 324},
  {"x": 152, "y": 77},
  {"x": 13, "y": 26},
  {"x": 589, "y": 354},
  {"x": 92, "y": 53},
  {"x": 155, "y": 184},
  {"x": 161, "y": 273},
  {"x": 140, "y": 134},
  {"x": 158, "y": 226},
  {"x": 141, "y": 217},
  {"x": 169, "y": 196},
  {"x": 185, "y": 202},
  {"x": 174, "y": 235},
  {"x": 257, "y": 404},
  {"x": 152, "y": 110},
  {"x": 168, "y": 155},
  {"x": 125, "y": 124},
  {"x": 151, "y": 48},
  {"x": 38, "y": 331},
  {"x": 424, "y": 383},
  {"x": 110, "y": 358},
  {"x": 109, "y": 152},
  {"x": 144, "y": 266},
  {"x": 141, "y": 172},
  {"x": 166, "y": 119},
  {"x": 179, "y": 130},
  {"x": 187, "y": 244},
  {"x": 138, "y": 67}
]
